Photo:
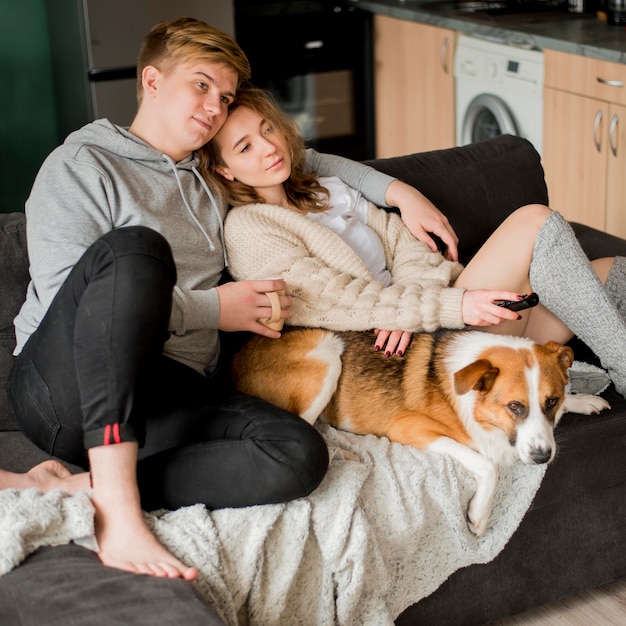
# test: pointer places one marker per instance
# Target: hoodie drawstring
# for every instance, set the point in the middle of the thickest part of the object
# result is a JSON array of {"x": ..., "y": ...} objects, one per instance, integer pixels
[
  {"x": 220, "y": 221},
  {"x": 214, "y": 206}
]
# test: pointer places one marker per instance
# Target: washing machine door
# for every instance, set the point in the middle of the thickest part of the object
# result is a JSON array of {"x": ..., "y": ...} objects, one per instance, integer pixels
[{"x": 487, "y": 116}]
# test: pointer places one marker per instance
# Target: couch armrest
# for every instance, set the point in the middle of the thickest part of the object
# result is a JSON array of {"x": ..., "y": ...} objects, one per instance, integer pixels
[
  {"x": 13, "y": 283},
  {"x": 475, "y": 186}
]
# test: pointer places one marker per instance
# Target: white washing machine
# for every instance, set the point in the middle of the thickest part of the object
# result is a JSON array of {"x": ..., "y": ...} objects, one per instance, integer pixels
[{"x": 499, "y": 90}]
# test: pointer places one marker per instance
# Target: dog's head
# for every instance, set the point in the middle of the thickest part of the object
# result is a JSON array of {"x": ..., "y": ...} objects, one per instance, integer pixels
[{"x": 519, "y": 391}]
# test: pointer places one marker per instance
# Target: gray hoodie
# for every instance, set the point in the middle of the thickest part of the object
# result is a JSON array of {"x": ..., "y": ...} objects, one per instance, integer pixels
[{"x": 102, "y": 178}]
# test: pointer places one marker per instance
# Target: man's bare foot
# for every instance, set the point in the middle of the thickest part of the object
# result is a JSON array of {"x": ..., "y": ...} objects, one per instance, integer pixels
[
  {"x": 124, "y": 539},
  {"x": 127, "y": 543},
  {"x": 46, "y": 476}
]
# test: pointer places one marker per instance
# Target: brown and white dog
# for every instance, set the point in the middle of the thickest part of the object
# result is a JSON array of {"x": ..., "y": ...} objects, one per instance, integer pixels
[{"x": 482, "y": 398}]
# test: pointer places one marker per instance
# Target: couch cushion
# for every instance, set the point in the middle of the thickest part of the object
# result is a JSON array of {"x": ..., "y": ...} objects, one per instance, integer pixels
[
  {"x": 474, "y": 186},
  {"x": 13, "y": 283},
  {"x": 68, "y": 585}
]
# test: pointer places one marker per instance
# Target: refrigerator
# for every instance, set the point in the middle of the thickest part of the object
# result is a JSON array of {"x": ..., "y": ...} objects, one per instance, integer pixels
[{"x": 94, "y": 46}]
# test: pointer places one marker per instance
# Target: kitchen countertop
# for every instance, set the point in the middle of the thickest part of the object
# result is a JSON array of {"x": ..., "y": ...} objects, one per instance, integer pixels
[{"x": 584, "y": 35}]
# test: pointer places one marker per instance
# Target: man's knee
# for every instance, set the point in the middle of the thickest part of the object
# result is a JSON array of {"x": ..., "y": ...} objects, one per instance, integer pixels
[
  {"x": 304, "y": 454},
  {"x": 137, "y": 242},
  {"x": 137, "y": 239}
]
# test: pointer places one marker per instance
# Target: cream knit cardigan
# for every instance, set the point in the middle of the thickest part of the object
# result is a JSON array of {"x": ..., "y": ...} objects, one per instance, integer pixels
[{"x": 331, "y": 286}]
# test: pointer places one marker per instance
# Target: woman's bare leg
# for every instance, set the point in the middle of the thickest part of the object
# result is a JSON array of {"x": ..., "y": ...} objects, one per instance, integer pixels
[
  {"x": 536, "y": 246},
  {"x": 124, "y": 539},
  {"x": 46, "y": 476},
  {"x": 503, "y": 262}
]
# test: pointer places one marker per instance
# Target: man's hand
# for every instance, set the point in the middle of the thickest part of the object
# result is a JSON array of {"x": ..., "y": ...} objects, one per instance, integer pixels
[{"x": 243, "y": 303}]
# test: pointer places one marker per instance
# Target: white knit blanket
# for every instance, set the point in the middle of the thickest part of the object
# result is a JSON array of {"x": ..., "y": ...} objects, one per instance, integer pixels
[{"x": 383, "y": 530}]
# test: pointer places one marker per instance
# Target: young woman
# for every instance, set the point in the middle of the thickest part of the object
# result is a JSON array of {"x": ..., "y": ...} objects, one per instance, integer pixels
[
  {"x": 117, "y": 351},
  {"x": 351, "y": 266}
]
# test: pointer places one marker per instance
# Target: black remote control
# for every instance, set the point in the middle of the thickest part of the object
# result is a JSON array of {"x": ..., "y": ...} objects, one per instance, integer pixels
[{"x": 528, "y": 301}]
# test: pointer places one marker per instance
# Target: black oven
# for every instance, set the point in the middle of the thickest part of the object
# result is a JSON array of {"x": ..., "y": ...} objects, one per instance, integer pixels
[{"x": 316, "y": 57}]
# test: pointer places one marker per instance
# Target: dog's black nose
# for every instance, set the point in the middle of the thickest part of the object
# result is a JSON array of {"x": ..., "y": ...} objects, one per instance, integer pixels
[{"x": 540, "y": 455}]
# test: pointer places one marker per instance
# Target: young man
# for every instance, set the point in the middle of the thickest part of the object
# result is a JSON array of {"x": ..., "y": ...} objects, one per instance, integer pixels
[{"x": 116, "y": 364}]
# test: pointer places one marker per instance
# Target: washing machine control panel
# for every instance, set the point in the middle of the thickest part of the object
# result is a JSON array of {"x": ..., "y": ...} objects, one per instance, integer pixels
[{"x": 508, "y": 66}]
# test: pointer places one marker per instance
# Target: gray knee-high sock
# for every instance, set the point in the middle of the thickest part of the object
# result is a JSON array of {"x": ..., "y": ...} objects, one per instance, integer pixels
[
  {"x": 567, "y": 285},
  {"x": 616, "y": 284}
]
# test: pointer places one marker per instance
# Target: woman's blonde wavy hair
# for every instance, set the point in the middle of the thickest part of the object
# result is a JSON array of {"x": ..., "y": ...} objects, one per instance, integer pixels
[{"x": 302, "y": 188}]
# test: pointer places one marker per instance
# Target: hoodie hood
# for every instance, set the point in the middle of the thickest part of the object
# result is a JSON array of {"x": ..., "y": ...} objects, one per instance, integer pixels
[{"x": 119, "y": 141}]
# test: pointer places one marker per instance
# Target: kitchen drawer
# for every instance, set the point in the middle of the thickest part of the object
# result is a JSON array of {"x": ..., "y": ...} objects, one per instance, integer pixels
[{"x": 598, "y": 79}]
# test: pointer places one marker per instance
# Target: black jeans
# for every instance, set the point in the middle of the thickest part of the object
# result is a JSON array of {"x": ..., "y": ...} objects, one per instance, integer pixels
[{"x": 93, "y": 373}]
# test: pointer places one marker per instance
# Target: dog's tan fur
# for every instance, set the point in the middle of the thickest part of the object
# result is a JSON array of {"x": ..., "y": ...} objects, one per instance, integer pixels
[{"x": 484, "y": 399}]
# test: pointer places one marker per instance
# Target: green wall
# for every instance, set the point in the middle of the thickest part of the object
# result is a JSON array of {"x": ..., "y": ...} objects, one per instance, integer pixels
[{"x": 28, "y": 129}]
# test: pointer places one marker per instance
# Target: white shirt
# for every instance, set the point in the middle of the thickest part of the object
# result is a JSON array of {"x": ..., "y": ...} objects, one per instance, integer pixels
[{"x": 347, "y": 217}]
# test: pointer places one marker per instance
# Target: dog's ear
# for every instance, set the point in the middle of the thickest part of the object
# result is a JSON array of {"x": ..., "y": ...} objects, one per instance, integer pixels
[
  {"x": 565, "y": 355},
  {"x": 479, "y": 375}
]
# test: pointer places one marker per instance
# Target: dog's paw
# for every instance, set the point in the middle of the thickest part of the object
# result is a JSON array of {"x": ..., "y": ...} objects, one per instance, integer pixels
[
  {"x": 478, "y": 515},
  {"x": 478, "y": 526},
  {"x": 585, "y": 404}
]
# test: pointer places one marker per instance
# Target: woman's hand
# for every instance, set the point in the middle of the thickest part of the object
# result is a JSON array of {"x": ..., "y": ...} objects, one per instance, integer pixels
[
  {"x": 422, "y": 217},
  {"x": 480, "y": 308},
  {"x": 242, "y": 303},
  {"x": 392, "y": 341}
]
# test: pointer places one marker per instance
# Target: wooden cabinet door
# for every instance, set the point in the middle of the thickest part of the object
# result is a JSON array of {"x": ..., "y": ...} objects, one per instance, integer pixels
[
  {"x": 603, "y": 80},
  {"x": 414, "y": 86},
  {"x": 575, "y": 132},
  {"x": 616, "y": 171}
]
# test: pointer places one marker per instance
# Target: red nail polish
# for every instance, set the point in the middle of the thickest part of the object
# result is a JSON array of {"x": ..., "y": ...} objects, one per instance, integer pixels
[
  {"x": 387, "y": 353},
  {"x": 399, "y": 353},
  {"x": 377, "y": 348}
]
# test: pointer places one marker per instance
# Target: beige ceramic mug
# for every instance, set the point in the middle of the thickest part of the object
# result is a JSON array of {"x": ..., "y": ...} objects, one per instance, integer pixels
[{"x": 275, "y": 322}]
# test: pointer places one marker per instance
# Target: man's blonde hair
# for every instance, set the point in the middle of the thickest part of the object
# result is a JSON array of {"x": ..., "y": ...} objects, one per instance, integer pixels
[{"x": 186, "y": 39}]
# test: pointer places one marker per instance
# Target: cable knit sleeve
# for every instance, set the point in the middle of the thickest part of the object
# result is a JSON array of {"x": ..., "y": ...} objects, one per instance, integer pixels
[
  {"x": 331, "y": 286},
  {"x": 416, "y": 268}
]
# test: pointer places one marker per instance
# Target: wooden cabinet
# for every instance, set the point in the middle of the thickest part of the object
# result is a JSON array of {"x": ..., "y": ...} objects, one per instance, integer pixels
[
  {"x": 414, "y": 86},
  {"x": 584, "y": 139}
]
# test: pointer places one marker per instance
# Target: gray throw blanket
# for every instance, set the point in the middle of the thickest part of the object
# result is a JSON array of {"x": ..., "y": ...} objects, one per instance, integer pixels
[{"x": 385, "y": 528}]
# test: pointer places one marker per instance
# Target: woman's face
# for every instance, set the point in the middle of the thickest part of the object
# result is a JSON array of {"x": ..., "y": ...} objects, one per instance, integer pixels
[{"x": 255, "y": 152}]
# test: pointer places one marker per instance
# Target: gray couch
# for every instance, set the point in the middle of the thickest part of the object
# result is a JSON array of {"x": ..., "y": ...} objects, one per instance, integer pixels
[{"x": 572, "y": 538}]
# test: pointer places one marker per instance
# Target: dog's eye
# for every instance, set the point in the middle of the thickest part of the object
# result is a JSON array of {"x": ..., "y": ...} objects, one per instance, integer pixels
[
  {"x": 551, "y": 403},
  {"x": 515, "y": 407}
]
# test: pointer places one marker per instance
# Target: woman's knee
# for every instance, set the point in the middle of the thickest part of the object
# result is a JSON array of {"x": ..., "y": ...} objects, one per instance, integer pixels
[
  {"x": 533, "y": 212},
  {"x": 532, "y": 215}
]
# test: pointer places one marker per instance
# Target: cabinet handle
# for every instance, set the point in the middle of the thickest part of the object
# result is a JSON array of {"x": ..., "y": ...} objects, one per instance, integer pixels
[
  {"x": 610, "y": 83},
  {"x": 596, "y": 130},
  {"x": 613, "y": 134},
  {"x": 443, "y": 55}
]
